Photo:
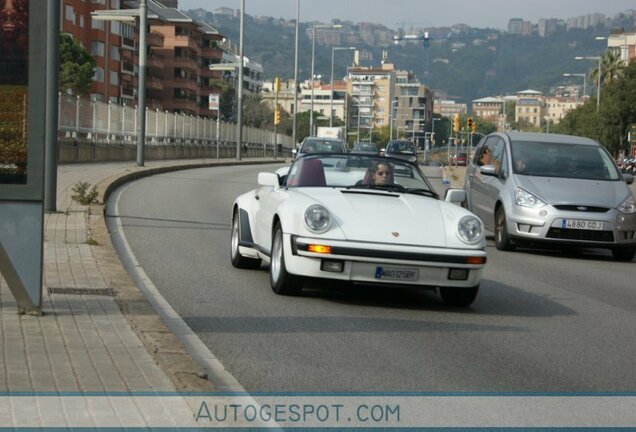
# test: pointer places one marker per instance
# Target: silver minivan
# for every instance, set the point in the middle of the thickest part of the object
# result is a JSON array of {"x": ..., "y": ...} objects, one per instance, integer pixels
[{"x": 535, "y": 188}]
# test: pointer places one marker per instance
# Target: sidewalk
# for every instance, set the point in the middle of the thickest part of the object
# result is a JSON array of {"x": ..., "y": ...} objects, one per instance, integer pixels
[{"x": 97, "y": 333}]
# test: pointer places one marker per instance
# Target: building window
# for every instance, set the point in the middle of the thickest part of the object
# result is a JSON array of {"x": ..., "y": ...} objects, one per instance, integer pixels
[
  {"x": 114, "y": 4},
  {"x": 97, "y": 48},
  {"x": 81, "y": 21},
  {"x": 114, "y": 78},
  {"x": 114, "y": 53},
  {"x": 115, "y": 28},
  {"x": 97, "y": 24},
  {"x": 98, "y": 75},
  {"x": 69, "y": 14}
]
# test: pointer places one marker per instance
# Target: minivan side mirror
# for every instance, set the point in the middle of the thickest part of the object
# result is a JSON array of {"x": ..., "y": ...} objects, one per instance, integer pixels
[
  {"x": 629, "y": 179},
  {"x": 489, "y": 170}
]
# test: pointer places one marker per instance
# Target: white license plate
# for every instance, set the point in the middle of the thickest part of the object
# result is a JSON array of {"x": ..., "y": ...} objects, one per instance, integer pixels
[
  {"x": 396, "y": 273},
  {"x": 582, "y": 224}
]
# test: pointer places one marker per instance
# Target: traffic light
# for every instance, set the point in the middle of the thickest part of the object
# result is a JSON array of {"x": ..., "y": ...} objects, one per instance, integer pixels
[
  {"x": 471, "y": 124},
  {"x": 276, "y": 85},
  {"x": 456, "y": 123},
  {"x": 473, "y": 128},
  {"x": 277, "y": 116}
]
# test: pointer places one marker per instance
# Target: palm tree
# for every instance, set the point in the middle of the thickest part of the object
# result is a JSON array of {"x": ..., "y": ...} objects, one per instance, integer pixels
[{"x": 611, "y": 68}]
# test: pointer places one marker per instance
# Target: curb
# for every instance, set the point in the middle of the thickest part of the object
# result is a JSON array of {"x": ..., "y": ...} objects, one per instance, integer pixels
[{"x": 164, "y": 346}]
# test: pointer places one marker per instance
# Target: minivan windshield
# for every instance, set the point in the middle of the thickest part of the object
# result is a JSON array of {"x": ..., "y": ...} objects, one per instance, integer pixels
[{"x": 553, "y": 159}]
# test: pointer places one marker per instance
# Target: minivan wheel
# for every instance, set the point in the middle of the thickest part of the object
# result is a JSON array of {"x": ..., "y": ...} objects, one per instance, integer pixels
[
  {"x": 459, "y": 297},
  {"x": 624, "y": 254},
  {"x": 282, "y": 282},
  {"x": 502, "y": 241}
]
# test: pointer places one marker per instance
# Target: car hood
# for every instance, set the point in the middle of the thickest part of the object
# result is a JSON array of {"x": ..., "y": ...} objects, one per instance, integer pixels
[
  {"x": 374, "y": 216},
  {"x": 555, "y": 190}
]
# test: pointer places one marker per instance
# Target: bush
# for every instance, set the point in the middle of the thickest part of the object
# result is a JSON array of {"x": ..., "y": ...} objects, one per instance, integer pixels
[{"x": 84, "y": 195}]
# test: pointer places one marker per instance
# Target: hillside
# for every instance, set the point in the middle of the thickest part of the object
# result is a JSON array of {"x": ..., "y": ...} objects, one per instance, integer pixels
[{"x": 466, "y": 65}]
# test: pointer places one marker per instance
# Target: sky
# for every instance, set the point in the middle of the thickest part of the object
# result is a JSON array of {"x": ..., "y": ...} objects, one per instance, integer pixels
[{"x": 421, "y": 13}]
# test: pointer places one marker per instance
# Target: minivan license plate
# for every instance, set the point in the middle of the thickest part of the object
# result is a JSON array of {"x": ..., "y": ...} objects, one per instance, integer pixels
[
  {"x": 582, "y": 224},
  {"x": 396, "y": 273}
]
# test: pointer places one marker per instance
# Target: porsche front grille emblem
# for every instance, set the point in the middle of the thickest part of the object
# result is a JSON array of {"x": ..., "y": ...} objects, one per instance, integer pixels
[{"x": 395, "y": 234}]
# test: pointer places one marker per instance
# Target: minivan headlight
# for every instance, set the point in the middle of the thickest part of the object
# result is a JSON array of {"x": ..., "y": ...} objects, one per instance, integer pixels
[
  {"x": 524, "y": 198},
  {"x": 628, "y": 206},
  {"x": 470, "y": 230},
  {"x": 317, "y": 218}
]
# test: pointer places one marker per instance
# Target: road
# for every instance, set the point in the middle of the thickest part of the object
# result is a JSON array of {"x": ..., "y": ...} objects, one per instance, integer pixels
[{"x": 543, "y": 321}]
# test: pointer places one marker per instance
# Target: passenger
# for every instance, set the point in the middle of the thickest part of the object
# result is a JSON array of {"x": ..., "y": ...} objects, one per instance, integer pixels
[
  {"x": 520, "y": 166},
  {"x": 381, "y": 173},
  {"x": 485, "y": 157}
]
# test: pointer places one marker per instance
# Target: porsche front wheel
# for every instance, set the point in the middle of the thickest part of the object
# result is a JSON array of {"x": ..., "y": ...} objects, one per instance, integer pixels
[
  {"x": 238, "y": 260},
  {"x": 281, "y": 281},
  {"x": 459, "y": 297}
]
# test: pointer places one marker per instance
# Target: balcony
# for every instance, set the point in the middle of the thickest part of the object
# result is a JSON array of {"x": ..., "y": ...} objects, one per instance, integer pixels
[
  {"x": 127, "y": 78},
  {"x": 185, "y": 84},
  {"x": 127, "y": 55},
  {"x": 187, "y": 42},
  {"x": 212, "y": 52},
  {"x": 154, "y": 83},
  {"x": 154, "y": 61},
  {"x": 184, "y": 62},
  {"x": 127, "y": 68},
  {"x": 154, "y": 39},
  {"x": 185, "y": 105}
]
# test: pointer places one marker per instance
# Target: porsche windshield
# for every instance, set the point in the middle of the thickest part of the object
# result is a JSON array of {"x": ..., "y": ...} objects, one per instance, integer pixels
[{"x": 358, "y": 171}]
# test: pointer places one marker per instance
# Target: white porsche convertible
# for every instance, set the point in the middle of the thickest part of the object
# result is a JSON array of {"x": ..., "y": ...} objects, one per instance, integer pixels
[{"x": 359, "y": 218}]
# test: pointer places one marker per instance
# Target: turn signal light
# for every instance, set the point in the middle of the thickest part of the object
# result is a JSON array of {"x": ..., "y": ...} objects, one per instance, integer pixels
[
  {"x": 321, "y": 249},
  {"x": 476, "y": 260}
]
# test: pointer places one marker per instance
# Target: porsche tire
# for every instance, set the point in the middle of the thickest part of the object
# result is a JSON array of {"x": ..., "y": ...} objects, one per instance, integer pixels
[
  {"x": 238, "y": 260},
  {"x": 282, "y": 282},
  {"x": 458, "y": 297}
]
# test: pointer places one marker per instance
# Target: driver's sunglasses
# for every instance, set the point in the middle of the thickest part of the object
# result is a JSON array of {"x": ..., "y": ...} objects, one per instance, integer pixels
[{"x": 382, "y": 173}]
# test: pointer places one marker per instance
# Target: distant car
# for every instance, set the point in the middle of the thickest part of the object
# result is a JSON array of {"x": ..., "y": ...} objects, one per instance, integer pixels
[
  {"x": 459, "y": 159},
  {"x": 312, "y": 145},
  {"x": 365, "y": 147},
  {"x": 401, "y": 149},
  {"x": 329, "y": 221},
  {"x": 549, "y": 189}
]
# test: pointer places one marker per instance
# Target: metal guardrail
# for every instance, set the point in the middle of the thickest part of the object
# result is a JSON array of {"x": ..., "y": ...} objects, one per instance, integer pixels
[{"x": 95, "y": 131}]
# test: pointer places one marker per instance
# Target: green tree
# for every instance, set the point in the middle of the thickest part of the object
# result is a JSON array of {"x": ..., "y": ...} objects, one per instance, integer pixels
[
  {"x": 611, "y": 68},
  {"x": 76, "y": 67},
  {"x": 256, "y": 113}
]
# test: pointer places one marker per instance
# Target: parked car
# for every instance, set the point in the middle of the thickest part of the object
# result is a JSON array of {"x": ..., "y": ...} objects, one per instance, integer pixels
[
  {"x": 459, "y": 159},
  {"x": 365, "y": 147},
  {"x": 401, "y": 149},
  {"x": 312, "y": 145},
  {"x": 549, "y": 189},
  {"x": 324, "y": 222}
]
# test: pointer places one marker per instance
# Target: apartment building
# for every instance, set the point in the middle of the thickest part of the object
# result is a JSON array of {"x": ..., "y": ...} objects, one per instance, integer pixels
[
  {"x": 624, "y": 44},
  {"x": 180, "y": 51},
  {"x": 371, "y": 91},
  {"x": 529, "y": 108},
  {"x": 488, "y": 108},
  {"x": 448, "y": 108},
  {"x": 556, "y": 107}
]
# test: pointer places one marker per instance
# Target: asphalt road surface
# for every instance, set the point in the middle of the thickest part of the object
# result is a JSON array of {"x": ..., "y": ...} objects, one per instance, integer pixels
[{"x": 543, "y": 320}]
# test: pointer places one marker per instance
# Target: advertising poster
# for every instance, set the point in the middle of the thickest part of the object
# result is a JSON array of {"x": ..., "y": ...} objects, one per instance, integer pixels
[{"x": 14, "y": 43}]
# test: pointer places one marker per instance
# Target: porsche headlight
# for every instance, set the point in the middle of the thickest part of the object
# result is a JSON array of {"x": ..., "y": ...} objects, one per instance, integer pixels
[
  {"x": 470, "y": 230},
  {"x": 524, "y": 198},
  {"x": 317, "y": 218},
  {"x": 628, "y": 206}
]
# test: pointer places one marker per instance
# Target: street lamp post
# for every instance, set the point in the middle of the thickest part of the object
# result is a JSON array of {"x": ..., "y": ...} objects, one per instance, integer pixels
[
  {"x": 598, "y": 86},
  {"x": 313, "y": 56},
  {"x": 580, "y": 75},
  {"x": 239, "y": 110},
  {"x": 333, "y": 52},
  {"x": 295, "y": 113},
  {"x": 391, "y": 118},
  {"x": 130, "y": 15}
]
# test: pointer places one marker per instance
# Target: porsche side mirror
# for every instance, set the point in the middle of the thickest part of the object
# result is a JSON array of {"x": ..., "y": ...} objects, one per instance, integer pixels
[
  {"x": 268, "y": 179},
  {"x": 629, "y": 179}
]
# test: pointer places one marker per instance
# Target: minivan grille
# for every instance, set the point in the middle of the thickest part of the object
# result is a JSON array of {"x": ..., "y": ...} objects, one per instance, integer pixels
[
  {"x": 582, "y": 208},
  {"x": 586, "y": 235}
]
